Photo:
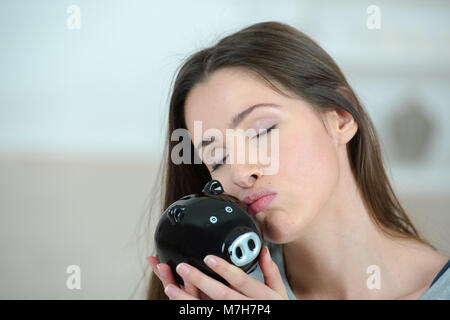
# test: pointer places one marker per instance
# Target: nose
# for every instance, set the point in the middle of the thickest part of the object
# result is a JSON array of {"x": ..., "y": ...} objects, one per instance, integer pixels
[
  {"x": 245, "y": 175},
  {"x": 244, "y": 249}
]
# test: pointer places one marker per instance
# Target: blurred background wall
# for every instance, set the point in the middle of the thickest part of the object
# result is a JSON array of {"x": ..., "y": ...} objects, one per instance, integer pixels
[{"x": 83, "y": 107}]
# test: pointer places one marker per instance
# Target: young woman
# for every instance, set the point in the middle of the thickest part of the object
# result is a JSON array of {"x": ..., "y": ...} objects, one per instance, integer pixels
[{"x": 333, "y": 221}]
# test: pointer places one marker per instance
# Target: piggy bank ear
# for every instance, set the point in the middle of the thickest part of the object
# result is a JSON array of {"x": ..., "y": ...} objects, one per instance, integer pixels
[{"x": 213, "y": 187}]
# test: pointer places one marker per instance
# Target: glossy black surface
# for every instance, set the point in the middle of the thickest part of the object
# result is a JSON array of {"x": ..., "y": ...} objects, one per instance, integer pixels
[{"x": 186, "y": 231}]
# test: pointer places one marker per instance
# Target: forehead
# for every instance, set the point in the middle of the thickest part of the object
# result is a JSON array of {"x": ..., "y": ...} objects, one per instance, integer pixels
[{"x": 227, "y": 92}]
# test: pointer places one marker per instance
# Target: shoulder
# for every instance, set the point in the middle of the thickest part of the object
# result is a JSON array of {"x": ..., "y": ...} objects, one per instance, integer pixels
[{"x": 439, "y": 290}]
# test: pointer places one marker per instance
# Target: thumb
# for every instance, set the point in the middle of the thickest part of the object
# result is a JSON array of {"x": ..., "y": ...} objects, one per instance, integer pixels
[{"x": 272, "y": 276}]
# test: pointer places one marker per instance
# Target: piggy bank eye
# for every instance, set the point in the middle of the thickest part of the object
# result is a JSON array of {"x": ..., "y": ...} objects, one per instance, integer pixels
[{"x": 213, "y": 219}]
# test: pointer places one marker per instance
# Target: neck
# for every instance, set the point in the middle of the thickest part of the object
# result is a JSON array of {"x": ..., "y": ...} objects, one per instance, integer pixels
[{"x": 330, "y": 259}]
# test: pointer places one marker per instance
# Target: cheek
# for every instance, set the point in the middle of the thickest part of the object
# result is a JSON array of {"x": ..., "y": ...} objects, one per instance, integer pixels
[
  {"x": 311, "y": 161},
  {"x": 307, "y": 177}
]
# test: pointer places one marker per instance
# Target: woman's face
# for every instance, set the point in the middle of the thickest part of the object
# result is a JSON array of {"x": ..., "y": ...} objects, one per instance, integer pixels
[{"x": 308, "y": 166}]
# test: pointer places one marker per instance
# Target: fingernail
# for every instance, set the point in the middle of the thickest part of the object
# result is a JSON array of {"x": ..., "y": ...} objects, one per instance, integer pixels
[
  {"x": 268, "y": 257},
  {"x": 160, "y": 270},
  {"x": 182, "y": 269},
  {"x": 170, "y": 291},
  {"x": 210, "y": 261}
]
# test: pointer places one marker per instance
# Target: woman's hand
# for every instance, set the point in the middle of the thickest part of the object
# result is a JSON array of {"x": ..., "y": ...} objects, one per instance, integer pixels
[{"x": 197, "y": 285}]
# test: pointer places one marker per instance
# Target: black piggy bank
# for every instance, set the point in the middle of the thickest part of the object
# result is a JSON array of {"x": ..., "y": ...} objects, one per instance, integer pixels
[{"x": 208, "y": 223}]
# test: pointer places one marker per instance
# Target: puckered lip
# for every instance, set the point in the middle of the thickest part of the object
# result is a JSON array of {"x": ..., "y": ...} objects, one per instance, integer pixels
[{"x": 249, "y": 197}]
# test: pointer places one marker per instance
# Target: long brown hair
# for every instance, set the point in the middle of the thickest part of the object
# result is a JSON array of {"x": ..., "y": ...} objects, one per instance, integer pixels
[{"x": 286, "y": 59}]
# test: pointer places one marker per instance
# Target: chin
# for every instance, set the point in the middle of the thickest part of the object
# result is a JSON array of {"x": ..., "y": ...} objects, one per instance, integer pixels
[{"x": 276, "y": 227}]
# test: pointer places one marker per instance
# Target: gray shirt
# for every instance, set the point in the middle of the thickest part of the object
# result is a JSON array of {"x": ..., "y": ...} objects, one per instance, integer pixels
[{"x": 439, "y": 290}]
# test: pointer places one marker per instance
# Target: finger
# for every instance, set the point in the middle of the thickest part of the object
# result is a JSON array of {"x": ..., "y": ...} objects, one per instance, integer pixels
[
  {"x": 272, "y": 276},
  {"x": 249, "y": 286},
  {"x": 188, "y": 287},
  {"x": 166, "y": 275},
  {"x": 191, "y": 289},
  {"x": 209, "y": 286},
  {"x": 153, "y": 261},
  {"x": 203, "y": 296},
  {"x": 162, "y": 270},
  {"x": 176, "y": 293}
]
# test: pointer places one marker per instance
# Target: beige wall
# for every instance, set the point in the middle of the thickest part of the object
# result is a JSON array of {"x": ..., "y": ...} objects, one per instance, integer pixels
[{"x": 57, "y": 212}]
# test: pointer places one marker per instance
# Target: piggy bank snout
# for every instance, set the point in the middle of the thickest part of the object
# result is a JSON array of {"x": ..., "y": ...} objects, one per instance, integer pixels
[{"x": 244, "y": 249}]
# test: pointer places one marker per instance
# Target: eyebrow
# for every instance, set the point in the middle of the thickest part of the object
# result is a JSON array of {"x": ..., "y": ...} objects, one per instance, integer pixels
[{"x": 238, "y": 118}]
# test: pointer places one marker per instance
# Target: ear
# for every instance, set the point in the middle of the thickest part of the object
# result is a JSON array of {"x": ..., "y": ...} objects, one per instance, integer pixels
[
  {"x": 213, "y": 187},
  {"x": 342, "y": 123}
]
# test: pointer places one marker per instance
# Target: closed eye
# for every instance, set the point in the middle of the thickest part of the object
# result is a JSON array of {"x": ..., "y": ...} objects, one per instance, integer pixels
[
  {"x": 265, "y": 131},
  {"x": 217, "y": 165}
]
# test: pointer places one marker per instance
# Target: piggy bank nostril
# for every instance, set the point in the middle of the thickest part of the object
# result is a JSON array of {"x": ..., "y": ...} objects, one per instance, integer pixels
[
  {"x": 251, "y": 244},
  {"x": 239, "y": 253}
]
